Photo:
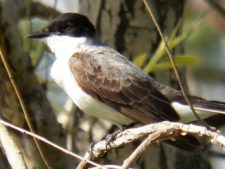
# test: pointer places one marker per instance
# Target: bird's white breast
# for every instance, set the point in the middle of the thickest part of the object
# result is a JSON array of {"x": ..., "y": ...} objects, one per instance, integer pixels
[{"x": 61, "y": 73}]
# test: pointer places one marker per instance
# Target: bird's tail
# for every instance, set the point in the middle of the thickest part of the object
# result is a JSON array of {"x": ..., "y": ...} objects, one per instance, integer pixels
[
  {"x": 209, "y": 106},
  {"x": 203, "y": 107},
  {"x": 213, "y": 112},
  {"x": 187, "y": 142},
  {"x": 215, "y": 109}
]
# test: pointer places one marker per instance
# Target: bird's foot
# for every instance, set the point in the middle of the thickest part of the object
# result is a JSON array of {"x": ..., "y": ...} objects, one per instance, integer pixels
[{"x": 111, "y": 137}]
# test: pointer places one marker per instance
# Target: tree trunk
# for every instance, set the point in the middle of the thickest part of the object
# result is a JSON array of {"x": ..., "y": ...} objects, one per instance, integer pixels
[{"x": 40, "y": 111}]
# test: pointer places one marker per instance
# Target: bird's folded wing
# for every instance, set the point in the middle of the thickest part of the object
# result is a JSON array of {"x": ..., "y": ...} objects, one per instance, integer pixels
[{"x": 114, "y": 80}]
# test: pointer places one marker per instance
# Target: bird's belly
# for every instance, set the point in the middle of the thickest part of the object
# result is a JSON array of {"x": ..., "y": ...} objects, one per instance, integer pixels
[{"x": 62, "y": 75}]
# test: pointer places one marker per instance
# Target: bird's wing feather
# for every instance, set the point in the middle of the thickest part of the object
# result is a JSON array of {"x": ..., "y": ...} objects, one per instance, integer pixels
[{"x": 113, "y": 79}]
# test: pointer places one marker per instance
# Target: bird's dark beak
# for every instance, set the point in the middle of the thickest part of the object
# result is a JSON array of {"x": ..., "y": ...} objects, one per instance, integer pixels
[{"x": 38, "y": 35}]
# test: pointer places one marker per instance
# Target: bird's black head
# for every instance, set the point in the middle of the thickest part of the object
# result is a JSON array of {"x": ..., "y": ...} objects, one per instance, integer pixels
[{"x": 70, "y": 24}]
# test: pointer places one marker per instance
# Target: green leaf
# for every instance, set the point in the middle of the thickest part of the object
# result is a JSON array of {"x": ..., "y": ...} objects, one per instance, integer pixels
[
  {"x": 155, "y": 58},
  {"x": 172, "y": 43},
  {"x": 140, "y": 59},
  {"x": 181, "y": 60}
]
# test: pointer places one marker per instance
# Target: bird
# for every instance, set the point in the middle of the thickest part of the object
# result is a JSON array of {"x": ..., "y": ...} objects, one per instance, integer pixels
[{"x": 105, "y": 84}]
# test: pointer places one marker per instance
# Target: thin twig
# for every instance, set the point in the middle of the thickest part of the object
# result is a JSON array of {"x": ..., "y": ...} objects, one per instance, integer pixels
[
  {"x": 21, "y": 101},
  {"x": 141, "y": 148},
  {"x": 86, "y": 158},
  {"x": 173, "y": 64},
  {"x": 44, "y": 140}
]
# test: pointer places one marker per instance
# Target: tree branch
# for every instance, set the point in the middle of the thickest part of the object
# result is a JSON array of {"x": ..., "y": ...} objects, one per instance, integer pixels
[
  {"x": 13, "y": 154},
  {"x": 155, "y": 132}
]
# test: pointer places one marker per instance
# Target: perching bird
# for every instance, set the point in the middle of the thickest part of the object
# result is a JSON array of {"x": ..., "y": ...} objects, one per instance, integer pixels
[{"x": 105, "y": 84}]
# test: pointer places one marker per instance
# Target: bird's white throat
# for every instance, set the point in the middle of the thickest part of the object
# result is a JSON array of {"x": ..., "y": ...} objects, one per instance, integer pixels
[{"x": 66, "y": 46}]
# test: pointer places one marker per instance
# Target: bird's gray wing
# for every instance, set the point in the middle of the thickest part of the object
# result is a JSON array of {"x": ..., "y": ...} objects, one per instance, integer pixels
[{"x": 113, "y": 79}]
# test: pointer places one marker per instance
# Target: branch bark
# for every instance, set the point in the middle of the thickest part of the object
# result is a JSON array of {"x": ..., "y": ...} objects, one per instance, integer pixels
[
  {"x": 156, "y": 132},
  {"x": 14, "y": 155}
]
